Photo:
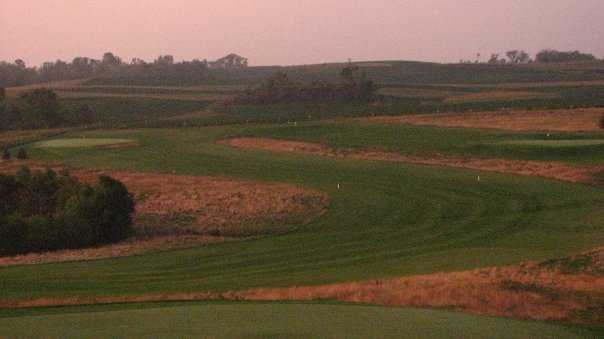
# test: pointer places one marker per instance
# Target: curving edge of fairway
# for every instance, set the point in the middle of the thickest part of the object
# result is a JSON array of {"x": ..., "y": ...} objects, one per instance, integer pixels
[
  {"x": 269, "y": 320},
  {"x": 555, "y": 143},
  {"x": 85, "y": 143}
]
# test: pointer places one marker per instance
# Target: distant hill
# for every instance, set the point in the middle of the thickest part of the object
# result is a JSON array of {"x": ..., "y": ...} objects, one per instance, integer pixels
[{"x": 382, "y": 72}]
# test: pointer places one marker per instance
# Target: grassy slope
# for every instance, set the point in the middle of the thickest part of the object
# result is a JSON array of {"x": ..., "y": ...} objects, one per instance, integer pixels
[
  {"x": 386, "y": 220},
  {"x": 121, "y": 110},
  {"x": 386, "y": 72},
  {"x": 257, "y": 320},
  {"x": 416, "y": 140}
]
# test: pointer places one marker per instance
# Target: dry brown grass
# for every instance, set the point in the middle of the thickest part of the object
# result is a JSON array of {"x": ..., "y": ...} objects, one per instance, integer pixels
[
  {"x": 194, "y": 208},
  {"x": 525, "y": 291},
  {"x": 554, "y": 170},
  {"x": 133, "y": 246},
  {"x": 569, "y": 120}
]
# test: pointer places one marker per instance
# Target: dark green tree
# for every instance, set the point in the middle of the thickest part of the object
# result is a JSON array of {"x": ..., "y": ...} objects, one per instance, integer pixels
[
  {"x": 40, "y": 108},
  {"x": 114, "y": 206},
  {"x": 22, "y": 154},
  {"x": 44, "y": 211}
]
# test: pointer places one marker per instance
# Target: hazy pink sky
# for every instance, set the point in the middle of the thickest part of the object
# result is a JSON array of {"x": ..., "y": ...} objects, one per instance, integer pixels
[{"x": 295, "y": 31}]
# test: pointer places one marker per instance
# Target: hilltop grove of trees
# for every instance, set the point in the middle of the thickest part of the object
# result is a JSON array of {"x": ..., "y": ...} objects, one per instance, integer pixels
[
  {"x": 40, "y": 108},
  {"x": 515, "y": 57},
  {"x": 162, "y": 69},
  {"x": 46, "y": 211},
  {"x": 280, "y": 88},
  {"x": 552, "y": 56}
]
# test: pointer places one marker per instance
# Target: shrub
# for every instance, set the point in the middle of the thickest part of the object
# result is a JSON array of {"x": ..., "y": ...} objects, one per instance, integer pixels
[
  {"x": 114, "y": 206},
  {"x": 6, "y": 154},
  {"x": 548, "y": 56},
  {"x": 22, "y": 154},
  {"x": 40, "y": 108},
  {"x": 45, "y": 211}
]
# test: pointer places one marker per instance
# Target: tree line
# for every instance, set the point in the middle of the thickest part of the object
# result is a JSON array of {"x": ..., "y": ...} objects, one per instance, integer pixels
[
  {"x": 46, "y": 211},
  {"x": 164, "y": 68},
  {"x": 280, "y": 88},
  {"x": 515, "y": 57},
  {"x": 40, "y": 108}
]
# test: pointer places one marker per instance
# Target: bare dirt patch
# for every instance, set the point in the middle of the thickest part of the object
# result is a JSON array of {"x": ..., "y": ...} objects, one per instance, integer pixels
[
  {"x": 180, "y": 211},
  {"x": 554, "y": 170},
  {"x": 539, "y": 291},
  {"x": 569, "y": 120}
]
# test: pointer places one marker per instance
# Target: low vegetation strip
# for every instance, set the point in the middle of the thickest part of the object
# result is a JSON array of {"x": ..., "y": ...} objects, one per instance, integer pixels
[
  {"x": 539, "y": 291},
  {"x": 554, "y": 170},
  {"x": 499, "y": 96},
  {"x": 136, "y": 245},
  {"x": 567, "y": 120}
]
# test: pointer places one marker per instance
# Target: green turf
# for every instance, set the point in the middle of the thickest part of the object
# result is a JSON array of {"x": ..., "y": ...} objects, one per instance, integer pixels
[
  {"x": 556, "y": 143},
  {"x": 422, "y": 140},
  {"x": 273, "y": 320},
  {"x": 385, "y": 220},
  {"x": 113, "y": 112},
  {"x": 81, "y": 142}
]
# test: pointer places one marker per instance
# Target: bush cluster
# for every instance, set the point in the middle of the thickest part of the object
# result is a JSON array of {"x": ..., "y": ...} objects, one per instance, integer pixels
[
  {"x": 46, "y": 211},
  {"x": 549, "y": 55},
  {"x": 281, "y": 89},
  {"x": 40, "y": 108}
]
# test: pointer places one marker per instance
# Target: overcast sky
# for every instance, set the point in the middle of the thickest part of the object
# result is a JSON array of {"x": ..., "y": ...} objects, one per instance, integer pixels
[{"x": 296, "y": 31}]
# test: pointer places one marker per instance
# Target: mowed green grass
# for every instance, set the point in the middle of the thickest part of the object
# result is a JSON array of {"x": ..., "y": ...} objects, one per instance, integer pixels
[
  {"x": 81, "y": 142},
  {"x": 557, "y": 143},
  {"x": 271, "y": 320},
  {"x": 423, "y": 140},
  {"x": 385, "y": 220}
]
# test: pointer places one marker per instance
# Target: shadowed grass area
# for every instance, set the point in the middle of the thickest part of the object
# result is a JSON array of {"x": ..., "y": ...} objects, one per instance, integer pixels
[{"x": 270, "y": 320}]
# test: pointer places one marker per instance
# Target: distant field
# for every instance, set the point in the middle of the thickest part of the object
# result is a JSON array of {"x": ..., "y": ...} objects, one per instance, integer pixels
[
  {"x": 568, "y": 120},
  {"x": 383, "y": 72},
  {"x": 272, "y": 320},
  {"x": 201, "y": 93},
  {"x": 427, "y": 140},
  {"x": 115, "y": 111}
]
